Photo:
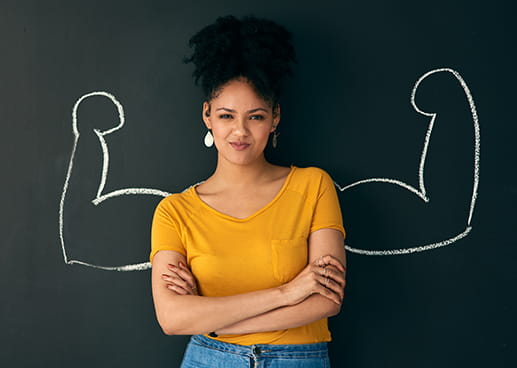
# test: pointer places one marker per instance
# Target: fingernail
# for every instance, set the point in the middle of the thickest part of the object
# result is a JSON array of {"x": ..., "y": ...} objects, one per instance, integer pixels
[{"x": 182, "y": 265}]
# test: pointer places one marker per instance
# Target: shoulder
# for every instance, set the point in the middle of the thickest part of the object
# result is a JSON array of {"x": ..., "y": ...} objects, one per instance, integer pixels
[
  {"x": 311, "y": 182},
  {"x": 176, "y": 202},
  {"x": 313, "y": 174}
]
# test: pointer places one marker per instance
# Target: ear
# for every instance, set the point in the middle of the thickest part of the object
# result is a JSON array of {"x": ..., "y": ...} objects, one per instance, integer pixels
[
  {"x": 276, "y": 117},
  {"x": 206, "y": 115}
]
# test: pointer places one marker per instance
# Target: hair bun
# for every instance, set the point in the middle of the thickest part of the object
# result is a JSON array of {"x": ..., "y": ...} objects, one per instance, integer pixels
[{"x": 258, "y": 49}]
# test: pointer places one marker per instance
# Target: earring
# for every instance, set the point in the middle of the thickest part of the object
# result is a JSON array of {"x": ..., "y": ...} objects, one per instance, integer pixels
[
  {"x": 209, "y": 139},
  {"x": 275, "y": 139}
]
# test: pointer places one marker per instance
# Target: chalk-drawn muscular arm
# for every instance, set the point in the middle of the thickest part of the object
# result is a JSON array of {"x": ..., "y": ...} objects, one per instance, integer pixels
[
  {"x": 298, "y": 302},
  {"x": 421, "y": 191},
  {"x": 101, "y": 195}
]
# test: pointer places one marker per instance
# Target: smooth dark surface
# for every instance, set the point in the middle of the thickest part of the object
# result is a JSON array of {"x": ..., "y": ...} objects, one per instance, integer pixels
[{"x": 347, "y": 110}]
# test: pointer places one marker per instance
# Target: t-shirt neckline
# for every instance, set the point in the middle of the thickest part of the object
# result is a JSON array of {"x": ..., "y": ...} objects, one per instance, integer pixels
[{"x": 256, "y": 213}]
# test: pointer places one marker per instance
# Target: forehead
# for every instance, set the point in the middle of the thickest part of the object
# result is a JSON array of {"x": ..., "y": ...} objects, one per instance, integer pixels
[{"x": 239, "y": 94}]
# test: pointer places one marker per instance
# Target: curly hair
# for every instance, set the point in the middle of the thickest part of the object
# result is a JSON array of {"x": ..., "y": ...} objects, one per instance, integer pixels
[{"x": 258, "y": 50}]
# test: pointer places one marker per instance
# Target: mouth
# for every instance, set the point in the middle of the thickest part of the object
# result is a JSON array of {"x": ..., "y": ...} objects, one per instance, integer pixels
[{"x": 239, "y": 146}]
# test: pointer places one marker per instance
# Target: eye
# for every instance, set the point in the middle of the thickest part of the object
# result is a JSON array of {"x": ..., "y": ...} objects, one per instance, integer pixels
[
  {"x": 257, "y": 117},
  {"x": 225, "y": 116}
]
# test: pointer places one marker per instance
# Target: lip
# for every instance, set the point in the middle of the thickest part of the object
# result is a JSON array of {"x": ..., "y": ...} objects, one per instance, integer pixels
[{"x": 239, "y": 146}]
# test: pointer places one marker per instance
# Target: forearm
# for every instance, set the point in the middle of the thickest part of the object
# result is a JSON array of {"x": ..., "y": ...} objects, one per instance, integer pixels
[
  {"x": 311, "y": 309},
  {"x": 189, "y": 314},
  {"x": 315, "y": 293}
]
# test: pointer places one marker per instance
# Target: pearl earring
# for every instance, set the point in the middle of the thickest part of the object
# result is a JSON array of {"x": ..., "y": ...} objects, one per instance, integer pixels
[{"x": 209, "y": 139}]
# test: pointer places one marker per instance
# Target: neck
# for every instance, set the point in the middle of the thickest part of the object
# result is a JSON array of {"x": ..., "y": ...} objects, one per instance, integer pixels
[{"x": 233, "y": 175}]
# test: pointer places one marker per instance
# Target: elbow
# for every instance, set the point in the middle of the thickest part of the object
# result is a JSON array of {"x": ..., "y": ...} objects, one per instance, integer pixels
[
  {"x": 334, "y": 309},
  {"x": 331, "y": 308},
  {"x": 178, "y": 326},
  {"x": 170, "y": 326},
  {"x": 167, "y": 327},
  {"x": 168, "y": 331},
  {"x": 171, "y": 329},
  {"x": 328, "y": 308}
]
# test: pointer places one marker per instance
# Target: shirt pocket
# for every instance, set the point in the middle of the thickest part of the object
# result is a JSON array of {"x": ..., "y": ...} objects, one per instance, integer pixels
[{"x": 289, "y": 257}]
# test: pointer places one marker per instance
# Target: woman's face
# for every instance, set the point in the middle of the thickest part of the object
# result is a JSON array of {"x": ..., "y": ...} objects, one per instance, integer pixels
[{"x": 241, "y": 122}]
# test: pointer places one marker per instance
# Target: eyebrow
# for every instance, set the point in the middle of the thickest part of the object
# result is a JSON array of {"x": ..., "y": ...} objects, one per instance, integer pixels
[{"x": 249, "y": 112}]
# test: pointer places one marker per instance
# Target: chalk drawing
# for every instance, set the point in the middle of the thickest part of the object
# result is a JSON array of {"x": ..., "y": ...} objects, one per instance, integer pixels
[
  {"x": 421, "y": 192},
  {"x": 100, "y": 196}
]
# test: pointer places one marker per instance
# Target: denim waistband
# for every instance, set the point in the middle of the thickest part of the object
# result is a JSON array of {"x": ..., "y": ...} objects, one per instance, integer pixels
[{"x": 265, "y": 350}]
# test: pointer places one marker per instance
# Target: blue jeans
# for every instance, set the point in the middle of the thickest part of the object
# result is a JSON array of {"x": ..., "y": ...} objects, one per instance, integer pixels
[{"x": 203, "y": 352}]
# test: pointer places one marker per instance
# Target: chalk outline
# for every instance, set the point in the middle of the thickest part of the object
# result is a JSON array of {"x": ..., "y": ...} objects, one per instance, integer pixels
[
  {"x": 421, "y": 192},
  {"x": 100, "y": 197}
]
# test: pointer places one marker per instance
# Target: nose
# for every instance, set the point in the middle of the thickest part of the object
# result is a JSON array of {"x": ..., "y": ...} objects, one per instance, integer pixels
[{"x": 241, "y": 127}]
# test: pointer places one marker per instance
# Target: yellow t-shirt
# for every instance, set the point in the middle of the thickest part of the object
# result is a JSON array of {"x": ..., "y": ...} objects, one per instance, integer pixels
[{"x": 228, "y": 255}]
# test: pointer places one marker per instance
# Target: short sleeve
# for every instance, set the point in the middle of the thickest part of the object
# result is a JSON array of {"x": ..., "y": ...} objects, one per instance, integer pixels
[
  {"x": 327, "y": 212},
  {"x": 164, "y": 230}
]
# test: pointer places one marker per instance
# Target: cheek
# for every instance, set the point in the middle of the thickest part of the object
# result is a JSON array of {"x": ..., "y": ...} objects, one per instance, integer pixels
[
  {"x": 219, "y": 130},
  {"x": 264, "y": 131}
]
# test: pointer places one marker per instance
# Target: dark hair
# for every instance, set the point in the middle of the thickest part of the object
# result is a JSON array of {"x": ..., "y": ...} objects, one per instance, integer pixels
[{"x": 258, "y": 50}]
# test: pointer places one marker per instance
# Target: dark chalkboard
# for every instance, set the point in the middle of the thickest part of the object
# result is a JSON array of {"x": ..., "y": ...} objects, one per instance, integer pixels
[{"x": 408, "y": 105}]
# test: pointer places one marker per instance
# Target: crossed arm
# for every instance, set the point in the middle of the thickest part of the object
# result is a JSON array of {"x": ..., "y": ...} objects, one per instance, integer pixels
[{"x": 315, "y": 293}]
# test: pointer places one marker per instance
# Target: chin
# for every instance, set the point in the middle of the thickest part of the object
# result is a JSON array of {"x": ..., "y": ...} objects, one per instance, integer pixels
[{"x": 242, "y": 161}]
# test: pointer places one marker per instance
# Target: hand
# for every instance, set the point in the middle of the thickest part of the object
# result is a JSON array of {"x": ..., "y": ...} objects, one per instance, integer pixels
[
  {"x": 324, "y": 276},
  {"x": 180, "y": 280}
]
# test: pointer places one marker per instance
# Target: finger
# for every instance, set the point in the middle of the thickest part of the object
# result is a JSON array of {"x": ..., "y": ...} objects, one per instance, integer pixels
[
  {"x": 335, "y": 275},
  {"x": 194, "y": 290},
  {"x": 182, "y": 278},
  {"x": 186, "y": 275},
  {"x": 183, "y": 273},
  {"x": 336, "y": 290},
  {"x": 338, "y": 273},
  {"x": 319, "y": 261},
  {"x": 177, "y": 281},
  {"x": 167, "y": 277},
  {"x": 183, "y": 290},
  {"x": 331, "y": 273},
  {"x": 333, "y": 261},
  {"x": 326, "y": 260},
  {"x": 333, "y": 286},
  {"x": 182, "y": 265},
  {"x": 329, "y": 294},
  {"x": 178, "y": 289},
  {"x": 170, "y": 277},
  {"x": 330, "y": 260},
  {"x": 173, "y": 268}
]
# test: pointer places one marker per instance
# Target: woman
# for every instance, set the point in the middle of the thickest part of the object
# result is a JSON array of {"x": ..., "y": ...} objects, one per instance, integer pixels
[{"x": 251, "y": 261}]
